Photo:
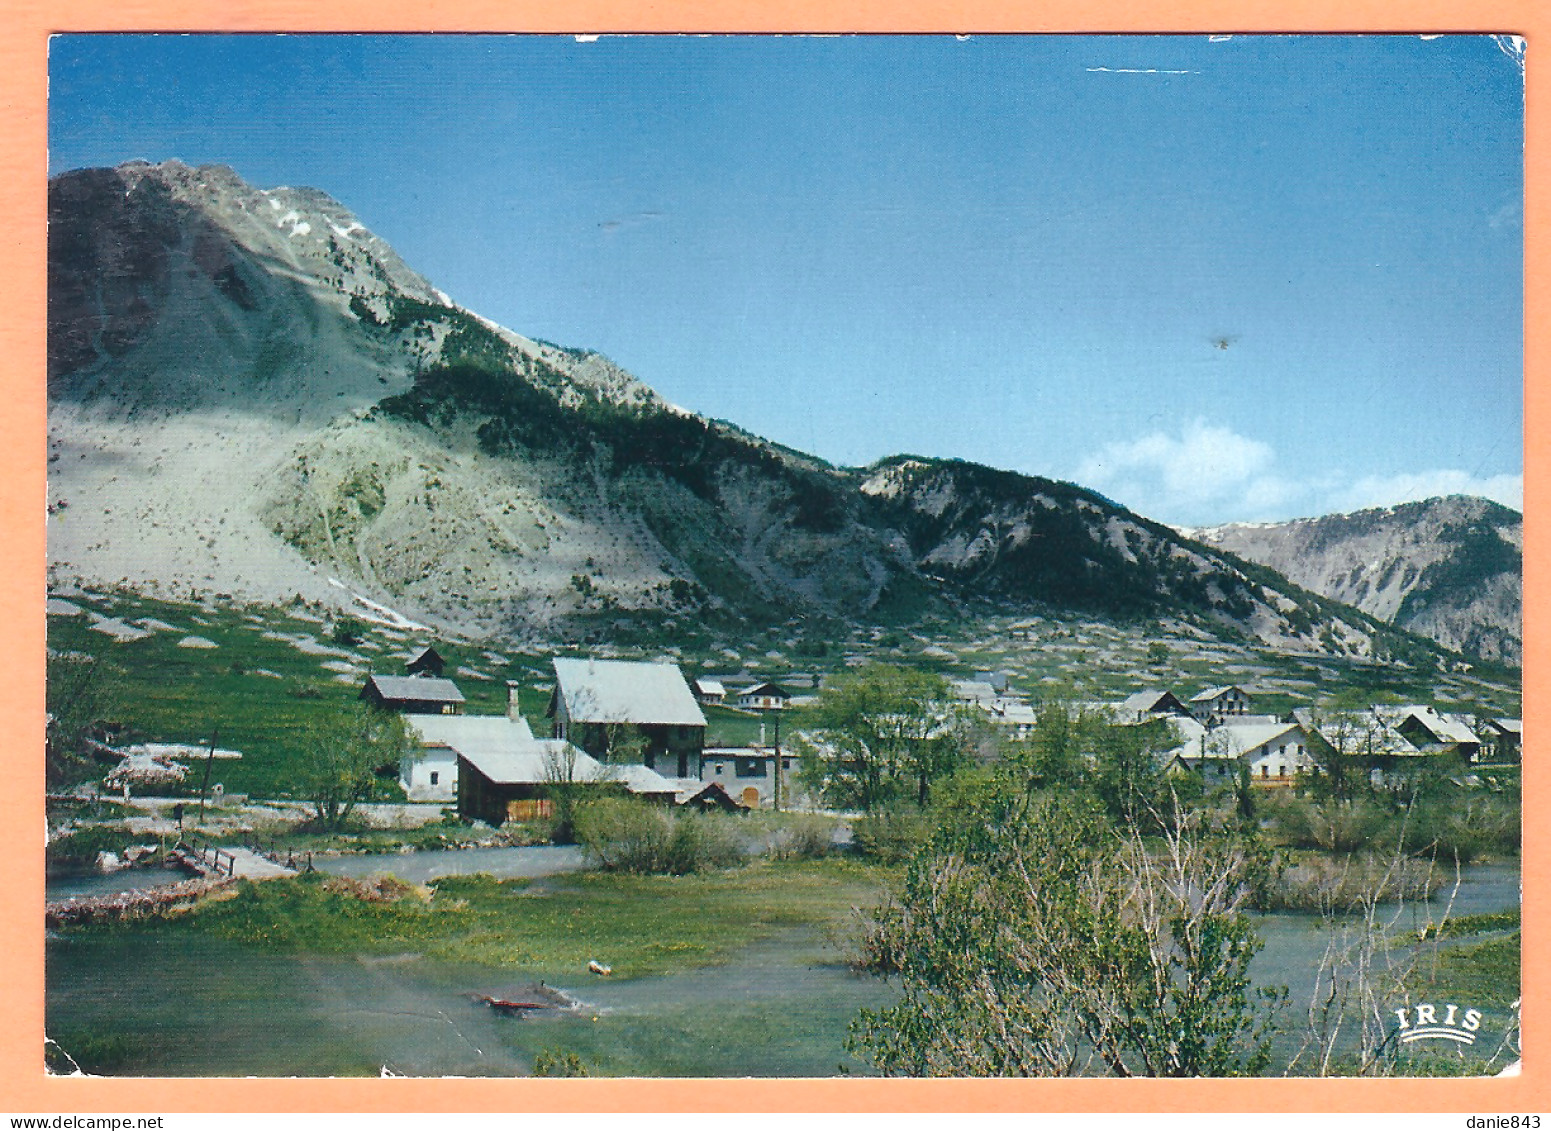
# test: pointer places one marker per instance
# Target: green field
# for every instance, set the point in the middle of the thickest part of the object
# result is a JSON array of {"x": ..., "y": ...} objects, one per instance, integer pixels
[{"x": 265, "y": 681}]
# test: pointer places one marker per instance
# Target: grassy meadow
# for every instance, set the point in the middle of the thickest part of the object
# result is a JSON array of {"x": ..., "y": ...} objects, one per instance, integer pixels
[{"x": 256, "y": 678}]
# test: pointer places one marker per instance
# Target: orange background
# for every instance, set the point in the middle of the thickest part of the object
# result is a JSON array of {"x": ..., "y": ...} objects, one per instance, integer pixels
[{"x": 23, "y": 170}]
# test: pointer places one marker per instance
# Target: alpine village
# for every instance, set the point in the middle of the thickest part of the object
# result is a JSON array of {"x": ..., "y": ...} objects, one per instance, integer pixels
[{"x": 429, "y": 700}]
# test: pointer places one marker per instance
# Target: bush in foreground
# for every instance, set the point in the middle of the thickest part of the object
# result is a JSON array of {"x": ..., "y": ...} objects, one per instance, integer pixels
[{"x": 633, "y": 836}]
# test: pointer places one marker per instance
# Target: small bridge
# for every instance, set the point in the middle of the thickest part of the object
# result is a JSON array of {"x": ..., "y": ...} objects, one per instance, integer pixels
[
  {"x": 236, "y": 863},
  {"x": 213, "y": 867}
]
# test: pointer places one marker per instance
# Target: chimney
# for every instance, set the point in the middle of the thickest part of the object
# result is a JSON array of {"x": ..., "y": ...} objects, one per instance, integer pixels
[{"x": 513, "y": 711}]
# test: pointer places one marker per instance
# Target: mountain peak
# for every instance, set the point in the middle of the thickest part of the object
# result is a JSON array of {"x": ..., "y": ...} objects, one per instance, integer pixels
[
  {"x": 1449, "y": 568},
  {"x": 250, "y": 391}
]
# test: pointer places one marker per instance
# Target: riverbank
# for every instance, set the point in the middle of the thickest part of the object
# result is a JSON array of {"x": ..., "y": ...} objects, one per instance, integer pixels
[
  {"x": 742, "y": 972},
  {"x": 735, "y": 973}
]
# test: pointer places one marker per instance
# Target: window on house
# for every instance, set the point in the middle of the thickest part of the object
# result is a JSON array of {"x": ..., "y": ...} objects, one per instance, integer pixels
[
  {"x": 751, "y": 768},
  {"x": 435, "y": 777},
  {"x": 1265, "y": 770},
  {"x": 721, "y": 768},
  {"x": 786, "y": 763}
]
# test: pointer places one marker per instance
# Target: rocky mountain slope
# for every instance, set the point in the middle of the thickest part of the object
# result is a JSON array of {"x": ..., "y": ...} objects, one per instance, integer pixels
[
  {"x": 251, "y": 393},
  {"x": 1449, "y": 569}
]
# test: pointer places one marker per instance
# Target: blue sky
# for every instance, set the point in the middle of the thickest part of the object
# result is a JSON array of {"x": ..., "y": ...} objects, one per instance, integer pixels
[{"x": 1218, "y": 280}]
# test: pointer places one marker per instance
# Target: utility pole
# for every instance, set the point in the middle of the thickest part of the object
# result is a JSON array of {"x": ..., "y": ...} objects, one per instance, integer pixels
[{"x": 775, "y": 802}]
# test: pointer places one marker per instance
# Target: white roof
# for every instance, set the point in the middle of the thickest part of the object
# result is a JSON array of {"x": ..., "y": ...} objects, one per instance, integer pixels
[
  {"x": 1141, "y": 702},
  {"x": 1450, "y": 728},
  {"x": 625, "y": 691},
  {"x": 973, "y": 690},
  {"x": 1215, "y": 692},
  {"x": 505, "y": 751},
  {"x": 638, "y": 778},
  {"x": 1378, "y": 734},
  {"x": 1235, "y": 741},
  {"x": 1190, "y": 732},
  {"x": 765, "y": 687},
  {"x": 530, "y": 767},
  {"x": 1447, "y": 729},
  {"x": 502, "y": 749},
  {"x": 710, "y": 687},
  {"x": 472, "y": 732},
  {"x": 1014, "y": 711}
]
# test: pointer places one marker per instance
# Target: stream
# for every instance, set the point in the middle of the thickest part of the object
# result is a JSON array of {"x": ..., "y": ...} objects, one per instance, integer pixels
[{"x": 184, "y": 1004}]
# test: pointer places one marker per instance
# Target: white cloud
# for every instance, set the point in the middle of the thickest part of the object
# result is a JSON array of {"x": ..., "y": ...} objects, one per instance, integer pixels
[
  {"x": 1205, "y": 470},
  {"x": 1510, "y": 215},
  {"x": 1387, "y": 490},
  {"x": 1209, "y": 474}
]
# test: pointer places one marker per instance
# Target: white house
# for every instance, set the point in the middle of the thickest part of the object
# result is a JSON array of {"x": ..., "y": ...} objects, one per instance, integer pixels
[
  {"x": 1387, "y": 739},
  {"x": 764, "y": 697},
  {"x": 431, "y": 772},
  {"x": 1502, "y": 739},
  {"x": 1432, "y": 731},
  {"x": 1275, "y": 753},
  {"x": 1218, "y": 704},
  {"x": 496, "y": 770},
  {"x": 748, "y": 774},
  {"x": 1004, "y": 707},
  {"x": 1017, "y": 715}
]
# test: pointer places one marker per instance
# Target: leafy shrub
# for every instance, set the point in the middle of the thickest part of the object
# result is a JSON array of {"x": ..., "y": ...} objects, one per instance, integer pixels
[
  {"x": 627, "y": 836},
  {"x": 79, "y": 849},
  {"x": 802, "y": 837},
  {"x": 890, "y": 836},
  {"x": 347, "y": 631},
  {"x": 1463, "y": 828},
  {"x": 701, "y": 842},
  {"x": 1330, "y": 825},
  {"x": 634, "y": 836},
  {"x": 1323, "y": 883}
]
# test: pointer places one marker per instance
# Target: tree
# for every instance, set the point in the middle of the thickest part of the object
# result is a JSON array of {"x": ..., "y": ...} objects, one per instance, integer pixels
[
  {"x": 1345, "y": 742},
  {"x": 1040, "y": 940},
  {"x": 347, "y": 631},
  {"x": 341, "y": 759},
  {"x": 1054, "y": 754},
  {"x": 568, "y": 780},
  {"x": 82, "y": 691},
  {"x": 880, "y": 735},
  {"x": 1128, "y": 774},
  {"x": 624, "y": 743}
]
